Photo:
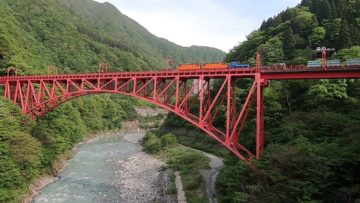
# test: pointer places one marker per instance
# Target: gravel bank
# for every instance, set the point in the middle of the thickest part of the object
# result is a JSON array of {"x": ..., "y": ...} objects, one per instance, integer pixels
[{"x": 140, "y": 178}]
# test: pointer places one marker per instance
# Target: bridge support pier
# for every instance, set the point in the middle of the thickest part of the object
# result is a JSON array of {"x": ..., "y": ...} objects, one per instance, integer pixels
[{"x": 260, "y": 133}]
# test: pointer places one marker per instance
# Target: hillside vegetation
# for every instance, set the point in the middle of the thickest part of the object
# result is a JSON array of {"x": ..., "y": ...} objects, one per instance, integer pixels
[
  {"x": 312, "y": 127},
  {"x": 74, "y": 35},
  {"x": 292, "y": 35}
]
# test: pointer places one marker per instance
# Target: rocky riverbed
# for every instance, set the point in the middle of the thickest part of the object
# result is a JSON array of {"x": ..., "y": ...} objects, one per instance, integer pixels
[
  {"x": 141, "y": 178},
  {"x": 111, "y": 168}
]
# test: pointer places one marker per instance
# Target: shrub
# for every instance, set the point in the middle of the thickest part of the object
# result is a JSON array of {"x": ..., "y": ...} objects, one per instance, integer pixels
[
  {"x": 151, "y": 143},
  {"x": 168, "y": 140}
]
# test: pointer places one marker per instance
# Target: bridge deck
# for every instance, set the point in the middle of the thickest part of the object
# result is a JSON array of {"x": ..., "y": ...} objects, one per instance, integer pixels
[{"x": 270, "y": 73}]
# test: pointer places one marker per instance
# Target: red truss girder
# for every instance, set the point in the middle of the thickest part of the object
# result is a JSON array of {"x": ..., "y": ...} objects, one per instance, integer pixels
[
  {"x": 177, "y": 94},
  {"x": 176, "y": 91}
]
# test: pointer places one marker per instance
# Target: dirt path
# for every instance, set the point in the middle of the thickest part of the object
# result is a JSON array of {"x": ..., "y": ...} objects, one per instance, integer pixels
[
  {"x": 181, "y": 198},
  {"x": 210, "y": 174}
]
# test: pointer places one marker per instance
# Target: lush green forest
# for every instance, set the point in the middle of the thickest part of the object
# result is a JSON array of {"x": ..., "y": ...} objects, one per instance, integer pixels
[
  {"x": 292, "y": 35},
  {"x": 75, "y": 36},
  {"x": 28, "y": 148},
  {"x": 312, "y": 127}
]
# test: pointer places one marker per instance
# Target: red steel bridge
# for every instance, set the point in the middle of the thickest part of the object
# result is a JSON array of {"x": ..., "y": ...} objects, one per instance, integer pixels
[{"x": 176, "y": 91}]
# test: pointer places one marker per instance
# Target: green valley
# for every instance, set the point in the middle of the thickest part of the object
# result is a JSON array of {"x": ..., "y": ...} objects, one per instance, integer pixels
[
  {"x": 312, "y": 127},
  {"x": 75, "y": 36}
]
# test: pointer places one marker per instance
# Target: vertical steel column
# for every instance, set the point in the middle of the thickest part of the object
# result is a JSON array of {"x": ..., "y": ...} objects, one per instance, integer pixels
[
  {"x": 228, "y": 110},
  {"x": 27, "y": 96},
  {"x": 135, "y": 84},
  {"x": 53, "y": 94},
  {"x": 208, "y": 94},
  {"x": 116, "y": 84},
  {"x": 155, "y": 88},
  {"x": 201, "y": 81},
  {"x": 233, "y": 111},
  {"x": 259, "y": 116},
  {"x": 177, "y": 92},
  {"x": 40, "y": 93},
  {"x": 185, "y": 93},
  {"x": 7, "y": 90},
  {"x": 67, "y": 88}
]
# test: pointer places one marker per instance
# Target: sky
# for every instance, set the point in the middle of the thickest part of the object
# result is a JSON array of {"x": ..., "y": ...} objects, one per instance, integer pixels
[{"x": 222, "y": 24}]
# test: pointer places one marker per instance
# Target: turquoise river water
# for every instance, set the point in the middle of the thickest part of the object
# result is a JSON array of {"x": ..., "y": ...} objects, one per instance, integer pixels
[{"x": 90, "y": 175}]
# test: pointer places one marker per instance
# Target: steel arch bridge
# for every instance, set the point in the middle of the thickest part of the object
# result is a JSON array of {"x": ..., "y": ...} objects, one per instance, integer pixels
[{"x": 176, "y": 91}]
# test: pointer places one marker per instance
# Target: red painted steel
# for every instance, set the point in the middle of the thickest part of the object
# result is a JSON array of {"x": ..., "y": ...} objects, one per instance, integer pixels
[{"x": 177, "y": 91}]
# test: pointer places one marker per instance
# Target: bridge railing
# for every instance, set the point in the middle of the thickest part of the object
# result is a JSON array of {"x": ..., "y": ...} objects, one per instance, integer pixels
[
  {"x": 135, "y": 74},
  {"x": 244, "y": 71},
  {"x": 303, "y": 68}
]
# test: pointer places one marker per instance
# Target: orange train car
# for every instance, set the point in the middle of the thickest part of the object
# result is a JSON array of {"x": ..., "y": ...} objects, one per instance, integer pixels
[
  {"x": 189, "y": 67},
  {"x": 210, "y": 66}
]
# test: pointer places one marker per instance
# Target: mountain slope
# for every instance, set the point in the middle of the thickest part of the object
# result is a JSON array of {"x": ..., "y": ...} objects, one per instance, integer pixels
[
  {"x": 118, "y": 27},
  {"x": 312, "y": 127},
  {"x": 292, "y": 35},
  {"x": 34, "y": 34},
  {"x": 75, "y": 35}
]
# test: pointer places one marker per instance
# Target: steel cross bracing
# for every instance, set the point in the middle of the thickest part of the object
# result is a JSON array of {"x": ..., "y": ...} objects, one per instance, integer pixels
[{"x": 191, "y": 95}]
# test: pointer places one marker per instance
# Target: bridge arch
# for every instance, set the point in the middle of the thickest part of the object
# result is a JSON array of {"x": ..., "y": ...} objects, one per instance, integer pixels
[
  {"x": 176, "y": 94},
  {"x": 177, "y": 91}
]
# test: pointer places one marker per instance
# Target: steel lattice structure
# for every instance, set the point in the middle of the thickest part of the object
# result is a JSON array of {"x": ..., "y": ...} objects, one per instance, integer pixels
[{"x": 175, "y": 91}]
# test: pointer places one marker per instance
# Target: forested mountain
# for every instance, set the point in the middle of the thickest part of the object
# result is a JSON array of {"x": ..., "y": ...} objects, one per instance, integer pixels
[
  {"x": 77, "y": 34},
  {"x": 292, "y": 35},
  {"x": 312, "y": 127},
  {"x": 74, "y": 35}
]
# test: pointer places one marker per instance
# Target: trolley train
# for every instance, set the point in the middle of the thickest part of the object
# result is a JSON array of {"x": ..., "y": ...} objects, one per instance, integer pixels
[
  {"x": 210, "y": 66},
  {"x": 235, "y": 65}
]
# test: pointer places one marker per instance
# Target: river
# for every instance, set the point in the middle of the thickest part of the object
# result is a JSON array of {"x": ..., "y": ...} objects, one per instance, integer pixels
[{"x": 109, "y": 168}]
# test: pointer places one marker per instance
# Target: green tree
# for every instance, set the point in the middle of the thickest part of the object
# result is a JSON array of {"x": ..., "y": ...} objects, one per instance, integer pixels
[
  {"x": 168, "y": 140},
  {"x": 344, "y": 40},
  {"x": 351, "y": 53},
  {"x": 321, "y": 8},
  {"x": 288, "y": 43},
  {"x": 272, "y": 51},
  {"x": 304, "y": 22},
  {"x": 317, "y": 36}
]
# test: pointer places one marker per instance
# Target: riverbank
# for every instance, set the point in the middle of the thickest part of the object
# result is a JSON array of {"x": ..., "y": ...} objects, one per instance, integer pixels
[
  {"x": 210, "y": 175},
  {"x": 51, "y": 174},
  {"x": 141, "y": 177},
  {"x": 59, "y": 165},
  {"x": 111, "y": 167},
  {"x": 187, "y": 162}
]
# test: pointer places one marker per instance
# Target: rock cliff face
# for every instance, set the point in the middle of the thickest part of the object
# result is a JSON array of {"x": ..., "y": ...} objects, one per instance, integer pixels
[{"x": 147, "y": 111}]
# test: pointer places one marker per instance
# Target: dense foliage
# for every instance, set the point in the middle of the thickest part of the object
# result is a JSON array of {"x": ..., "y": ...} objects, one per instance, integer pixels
[
  {"x": 312, "y": 127},
  {"x": 29, "y": 148},
  {"x": 313, "y": 143},
  {"x": 75, "y": 36},
  {"x": 179, "y": 158},
  {"x": 293, "y": 34}
]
